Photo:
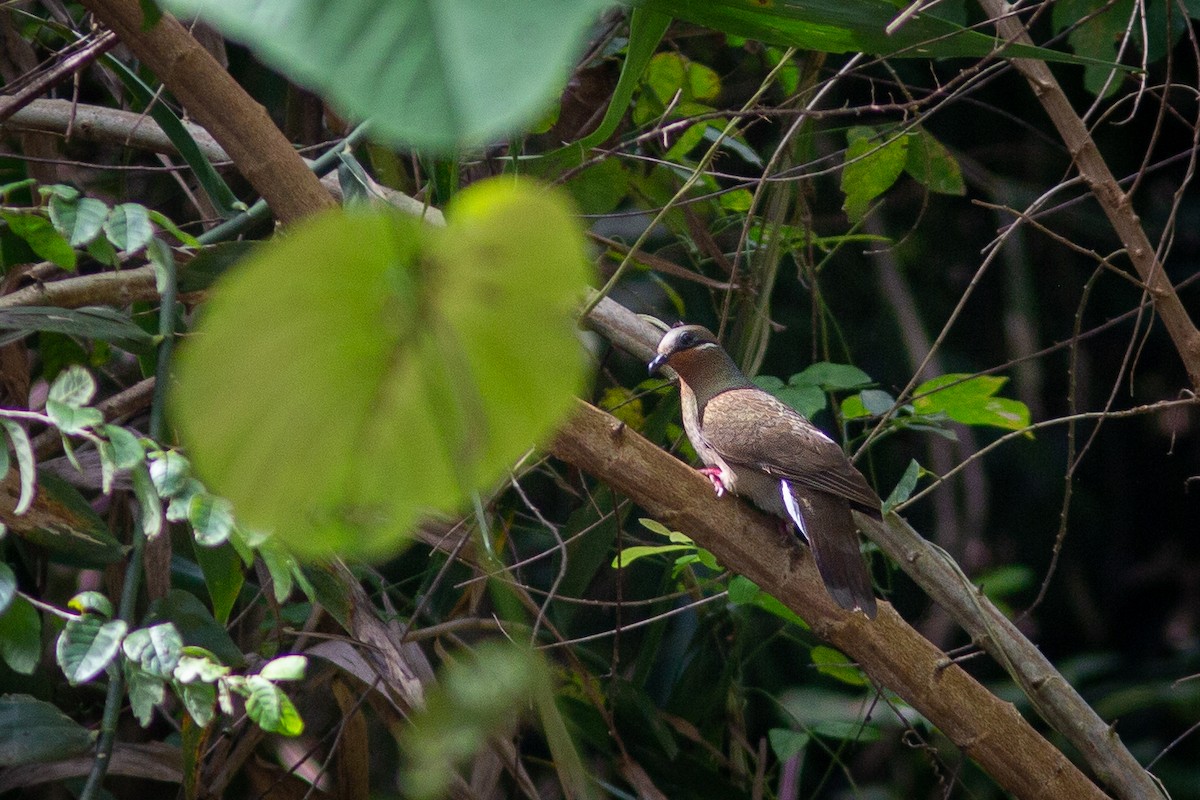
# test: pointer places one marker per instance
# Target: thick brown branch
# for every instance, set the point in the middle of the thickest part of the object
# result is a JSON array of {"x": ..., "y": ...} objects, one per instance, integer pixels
[
  {"x": 987, "y": 729},
  {"x": 936, "y": 573},
  {"x": 1116, "y": 204},
  {"x": 215, "y": 100}
]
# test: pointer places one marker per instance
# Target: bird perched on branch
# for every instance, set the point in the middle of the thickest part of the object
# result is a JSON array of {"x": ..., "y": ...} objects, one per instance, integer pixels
[{"x": 757, "y": 447}]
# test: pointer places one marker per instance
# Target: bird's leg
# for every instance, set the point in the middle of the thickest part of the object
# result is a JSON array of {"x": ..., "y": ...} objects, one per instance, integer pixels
[{"x": 714, "y": 475}]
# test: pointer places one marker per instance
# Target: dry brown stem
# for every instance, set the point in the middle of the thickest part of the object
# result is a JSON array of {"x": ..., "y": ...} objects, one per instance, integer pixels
[
  {"x": 214, "y": 99},
  {"x": 1115, "y": 202}
]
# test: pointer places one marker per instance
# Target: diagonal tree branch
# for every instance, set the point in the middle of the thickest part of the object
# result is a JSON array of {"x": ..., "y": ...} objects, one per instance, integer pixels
[
  {"x": 895, "y": 655},
  {"x": 215, "y": 100},
  {"x": 1115, "y": 202},
  {"x": 936, "y": 573}
]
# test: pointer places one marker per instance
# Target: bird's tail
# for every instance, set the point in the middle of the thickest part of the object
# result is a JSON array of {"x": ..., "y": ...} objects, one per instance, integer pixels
[{"x": 825, "y": 520}]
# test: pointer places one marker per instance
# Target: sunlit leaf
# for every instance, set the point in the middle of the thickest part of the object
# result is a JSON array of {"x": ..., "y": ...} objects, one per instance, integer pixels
[
  {"x": 630, "y": 554},
  {"x": 270, "y": 708},
  {"x": 874, "y": 160},
  {"x": 423, "y": 377},
  {"x": 971, "y": 401},
  {"x": 284, "y": 668}
]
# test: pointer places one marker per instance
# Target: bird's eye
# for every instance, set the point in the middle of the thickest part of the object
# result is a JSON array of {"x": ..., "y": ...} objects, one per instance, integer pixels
[{"x": 687, "y": 339}]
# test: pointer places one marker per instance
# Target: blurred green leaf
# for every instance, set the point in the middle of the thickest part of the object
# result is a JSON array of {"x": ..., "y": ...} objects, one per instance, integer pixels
[
  {"x": 743, "y": 591},
  {"x": 284, "y": 668},
  {"x": 845, "y": 26},
  {"x": 155, "y": 649},
  {"x": 26, "y": 470},
  {"x": 223, "y": 577},
  {"x": 787, "y": 743},
  {"x": 211, "y": 518},
  {"x": 74, "y": 386},
  {"x": 429, "y": 75},
  {"x": 904, "y": 487},
  {"x": 831, "y": 377},
  {"x": 270, "y": 709},
  {"x": 630, "y": 554},
  {"x": 127, "y": 450},
  {"x": 128, "y": 227},
  {"x": 196, "y": 626},
  {"x": 480, "y": 695},
  {"x": 200, "y": 700},
  {"x": 145, "y": 692},
  {"x": 73, "y": 419},
  {"x": 424, "y": 377}
]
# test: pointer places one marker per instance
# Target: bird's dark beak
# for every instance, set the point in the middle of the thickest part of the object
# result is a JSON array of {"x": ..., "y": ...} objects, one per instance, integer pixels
[{"x": 657, "y": 362}]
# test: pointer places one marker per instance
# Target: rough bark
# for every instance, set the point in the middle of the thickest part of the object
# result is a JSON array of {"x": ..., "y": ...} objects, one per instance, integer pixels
[{"x": 214, "y": 99}]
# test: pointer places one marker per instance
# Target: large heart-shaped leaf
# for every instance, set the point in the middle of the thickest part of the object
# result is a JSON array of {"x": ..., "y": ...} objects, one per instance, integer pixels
[
  {"x": 366, "y": 368},
  {"x": 434, "y": 74}
]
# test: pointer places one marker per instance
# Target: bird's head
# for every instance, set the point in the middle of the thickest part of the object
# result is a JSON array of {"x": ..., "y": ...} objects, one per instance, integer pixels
[{"x": 684, "y": 345}]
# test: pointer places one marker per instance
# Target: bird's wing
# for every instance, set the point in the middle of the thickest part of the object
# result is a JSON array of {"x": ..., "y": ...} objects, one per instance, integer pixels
[{"x": 751, "y": 428}]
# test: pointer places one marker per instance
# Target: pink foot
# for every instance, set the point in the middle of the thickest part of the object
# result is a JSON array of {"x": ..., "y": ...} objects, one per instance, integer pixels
[{"x": 714, "y": 475}]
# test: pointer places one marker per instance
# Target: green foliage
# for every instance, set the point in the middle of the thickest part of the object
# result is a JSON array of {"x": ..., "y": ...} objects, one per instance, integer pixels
[
  {"x": 844, "y": 26},
  {"x": 372, "y": 370},
  {"x": 34, "y": 731},
  {"x": 416, "y": 385},
  {"x": 478, "y": 697},
  {"x": 806, "y": 390},
  {"x": 970, "y": 400},
  {"x": 1095, "y": 29},
  {"x": 873, "y": 162},
  {"x": 430, "y": 75}
]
